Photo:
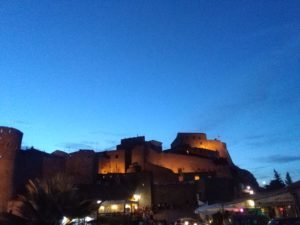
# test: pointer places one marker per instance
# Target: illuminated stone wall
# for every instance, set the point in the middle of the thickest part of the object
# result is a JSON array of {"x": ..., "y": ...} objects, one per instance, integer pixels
[
  {"x": 138, "y": 155},
  {"x": 111, "y": 162},
  {"x": 199, "y": 140},
  {"x": 145, "y": 153},
  {"x": 175, "y": 162},
  {"x": 192, "y": 139}
]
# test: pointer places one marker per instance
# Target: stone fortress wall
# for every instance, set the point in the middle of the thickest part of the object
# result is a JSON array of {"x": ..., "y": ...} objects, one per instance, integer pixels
[
  {"x": 200, "y": 141},
  {"x": 177, "y": 159},
  {"x": 10, "y": 143},
  {"x": 191, "y": 154}
]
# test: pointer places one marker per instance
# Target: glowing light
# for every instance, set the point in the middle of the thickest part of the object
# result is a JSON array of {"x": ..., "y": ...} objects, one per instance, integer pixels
[
  {"x": 241, "y": 210},
  {"x": 186, "y": 222},
  {"x": 127, "y": 206},
  {"x": 251, "y": 192},
  {"x": 136, "y": 197},
  {"x": 251, "y": 203},
  {"x": 102, "y": 207},
  {"x": 99, "y": 202},
  {"x": 114, "y": 207},
  {"x": 88, "y": 219},
  {"x": 248, "y": 187},
  {"x": 197, "y": 177},
  {"x": 65, "y": 220}
]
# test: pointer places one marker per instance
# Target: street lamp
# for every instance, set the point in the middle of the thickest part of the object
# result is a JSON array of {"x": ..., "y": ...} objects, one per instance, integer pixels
[
  {"x": 98, "y": 203},
  {"x": 136, "y": 197}
]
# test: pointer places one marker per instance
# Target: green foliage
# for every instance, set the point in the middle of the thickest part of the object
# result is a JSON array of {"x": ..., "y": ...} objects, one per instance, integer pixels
[{"x": 47, "y": 202}]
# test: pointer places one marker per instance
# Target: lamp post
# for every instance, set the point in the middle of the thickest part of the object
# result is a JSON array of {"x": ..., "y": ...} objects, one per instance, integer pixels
[
  {"x": 98, "y": 205},
  {"x": 137, "y": 198}
]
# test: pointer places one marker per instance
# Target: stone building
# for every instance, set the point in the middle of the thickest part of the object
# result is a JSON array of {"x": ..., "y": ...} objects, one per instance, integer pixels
[
  {"x": 195, "y": 169},
  {"x": 10, "y": 143}
]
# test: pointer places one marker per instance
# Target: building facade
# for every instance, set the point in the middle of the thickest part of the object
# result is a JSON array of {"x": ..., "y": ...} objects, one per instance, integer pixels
[{"x": 195, "y": 169}]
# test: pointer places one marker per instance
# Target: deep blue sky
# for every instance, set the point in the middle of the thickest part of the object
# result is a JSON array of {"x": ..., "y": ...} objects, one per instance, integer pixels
[{"x": 84, "y": 74}]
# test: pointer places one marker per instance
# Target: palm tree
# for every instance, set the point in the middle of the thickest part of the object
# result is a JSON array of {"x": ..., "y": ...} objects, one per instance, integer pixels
[{"x": 49, "y": 202}]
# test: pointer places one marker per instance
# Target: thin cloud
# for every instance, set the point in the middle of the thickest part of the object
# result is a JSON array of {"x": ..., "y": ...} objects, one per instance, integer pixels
[
  {"x": 270, "y": 139},
  {"x": 113, "y": 142},
  {"x": 259, "y": 168},
  {"x": 279, "y": 159},
  {"x": 21, "y": 122},
  {"x": 263, "y": 177},
  {"x": 75, "y": 146},
  {"x": 228, "y": 112},
  {"x": 92, "y": 145},
  {"x": 105, "y": 133}
]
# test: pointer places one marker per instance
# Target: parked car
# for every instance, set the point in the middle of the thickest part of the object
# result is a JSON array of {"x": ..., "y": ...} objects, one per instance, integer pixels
[
  {"x": 187, "y": 221},
  {"x": 246, "y": 220},
  {"x": 285, "y": 221}
]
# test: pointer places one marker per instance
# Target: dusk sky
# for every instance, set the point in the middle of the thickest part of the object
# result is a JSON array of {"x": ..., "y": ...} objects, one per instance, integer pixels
[{"x": 84, "y": 74}]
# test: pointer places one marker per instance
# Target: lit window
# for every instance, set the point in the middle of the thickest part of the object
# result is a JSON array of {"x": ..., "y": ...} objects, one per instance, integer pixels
[{"x": 197, "y": 177}]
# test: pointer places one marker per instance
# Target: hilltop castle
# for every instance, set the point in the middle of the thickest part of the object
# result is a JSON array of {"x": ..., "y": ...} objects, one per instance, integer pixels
[{"x": 194, "y": 169}]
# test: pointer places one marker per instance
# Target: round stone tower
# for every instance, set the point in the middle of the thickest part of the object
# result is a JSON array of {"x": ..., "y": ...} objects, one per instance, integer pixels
[{"x": 10, "y": 143}]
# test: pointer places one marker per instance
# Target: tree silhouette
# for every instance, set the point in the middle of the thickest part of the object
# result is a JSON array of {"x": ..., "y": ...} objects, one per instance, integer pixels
[
  {"x": 48, "y": 202},
  {"x": 288, "y": 179},
  {"x": 276, "y": 183}
]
